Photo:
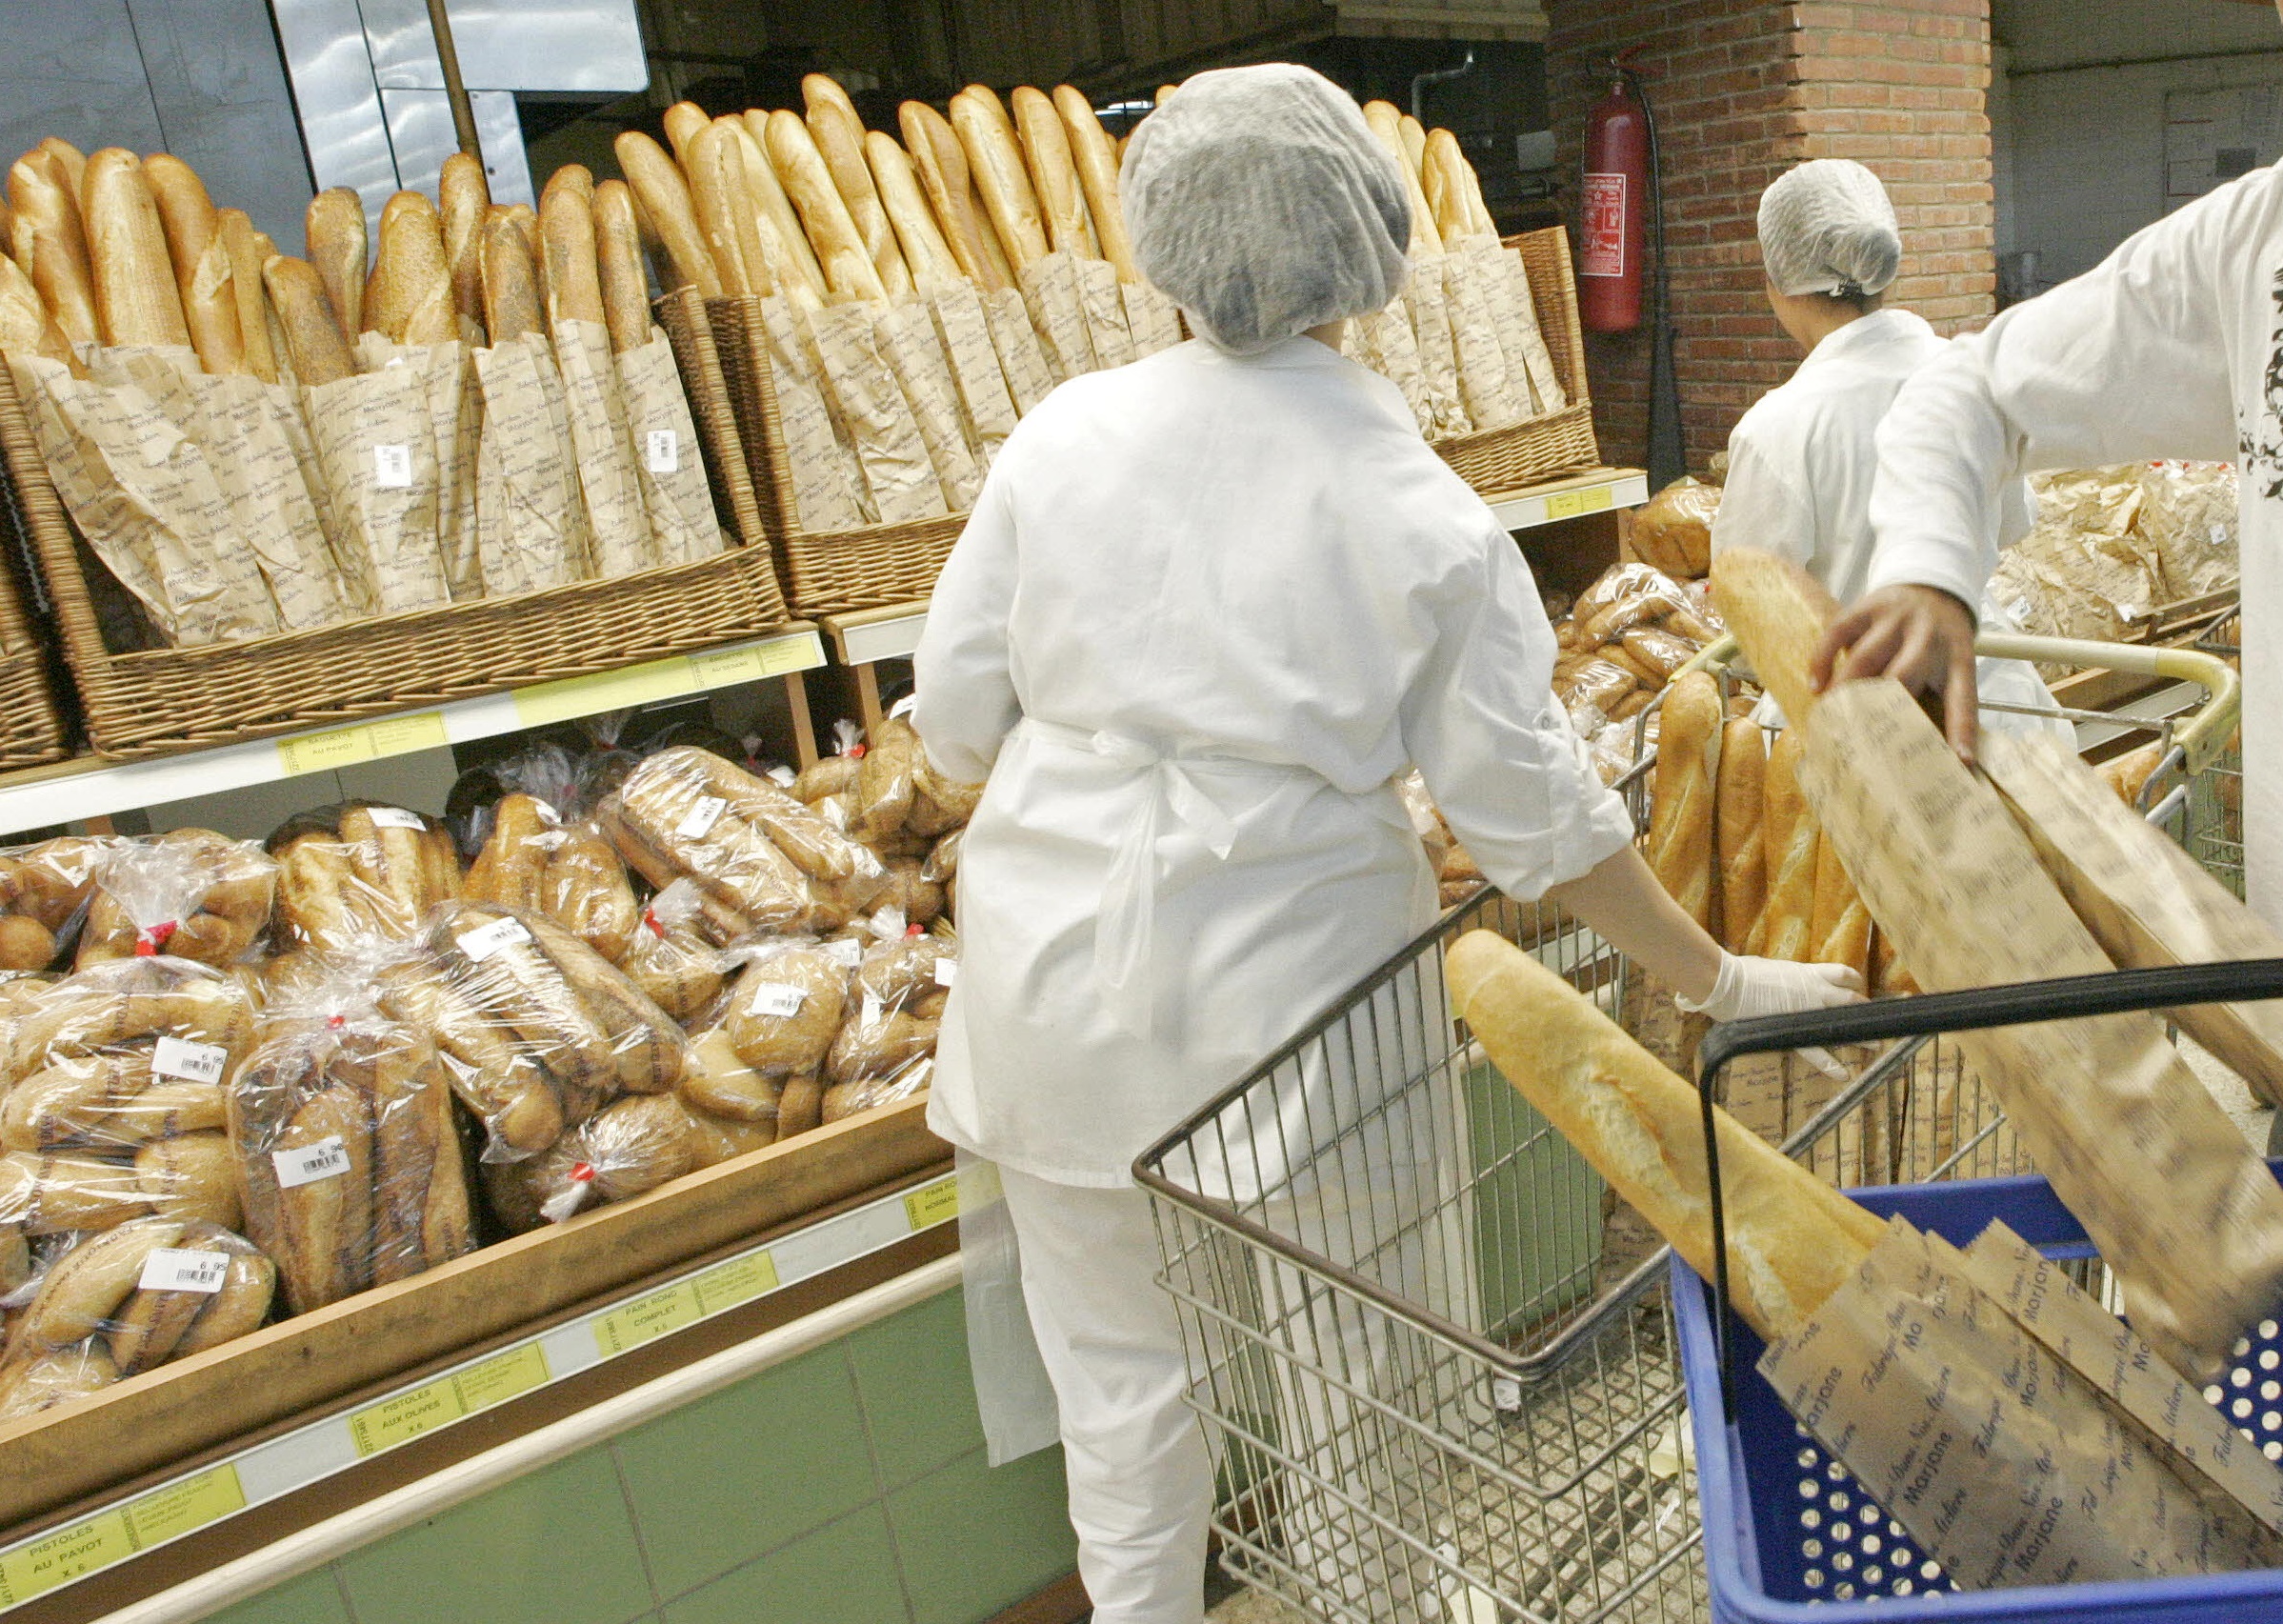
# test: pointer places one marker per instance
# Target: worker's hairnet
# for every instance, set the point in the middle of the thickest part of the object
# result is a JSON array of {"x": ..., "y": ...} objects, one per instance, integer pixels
[
  {"x": 1260, "y": 202},
  {"x": 1826, "y": 228}
]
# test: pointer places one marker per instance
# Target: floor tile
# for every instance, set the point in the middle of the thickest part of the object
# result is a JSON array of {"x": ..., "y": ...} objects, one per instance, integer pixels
[{"x": 973, "y": 1540}]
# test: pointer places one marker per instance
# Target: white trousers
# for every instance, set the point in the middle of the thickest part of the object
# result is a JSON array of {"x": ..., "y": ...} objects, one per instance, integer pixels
[{"x": 1140, "y": 1477}]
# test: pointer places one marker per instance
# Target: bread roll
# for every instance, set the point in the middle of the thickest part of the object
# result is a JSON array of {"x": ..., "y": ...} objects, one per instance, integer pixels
[
  {"x": 662, "y": 197},
  {"x": 204, "y": 272},
  {"x": 839, "y": 137},
  {"x": 408, "y": 298},
  {"x": 1778, "y": 611},
  {"x": 1054, "y": 173},
  {"x": 56, "y": 251},
  {"x": 512, "y": 303},
  {"x": 927, "y": 254},
  {"x": 995, "y": 160},
  {"x": 683, "y": 121},
  {"x": 941, "y": 163},
  {"x": 1739, "y": 817},
  {"x": 335, "y": 227},
  {"x": 720, "y": 202},
  {"x": 1387, "y": 123},
  {"x": 840, "y": 249},
  {"x": 1789, "y": 829},
  {"x": 573, "y": 279},
  {"x": 246, "y": 256},
  {"x": 792, "y": 262},
  {"x": 618, "y": 266},
  {"x": 1792, "y": 1239},
  {"x": 1096, "y": 158},
  {"x": 314, "y": 339},
  {"x": 1681, "y": 819},
  {"x": 464, "y": 197},
  {"x": 135, "y": 297}
]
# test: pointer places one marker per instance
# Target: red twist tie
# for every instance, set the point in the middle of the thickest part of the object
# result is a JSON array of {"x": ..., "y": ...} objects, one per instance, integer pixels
[
  {"x": 583, "y": 1174},
  {"x": 855, "y": 751},
  {"x": 912, "y": 930},
  {"x": 334, "y": 1023},
  {"x": 649, "y": 917},
  {"x": 152, "y": 938}
]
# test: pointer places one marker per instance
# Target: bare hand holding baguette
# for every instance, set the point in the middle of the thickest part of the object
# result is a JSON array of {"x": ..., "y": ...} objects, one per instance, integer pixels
[{"x": 135, "y": 296}]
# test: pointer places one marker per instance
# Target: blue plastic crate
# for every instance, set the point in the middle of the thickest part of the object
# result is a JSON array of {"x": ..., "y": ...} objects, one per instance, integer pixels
[{"x": 1788, "y": 1537}]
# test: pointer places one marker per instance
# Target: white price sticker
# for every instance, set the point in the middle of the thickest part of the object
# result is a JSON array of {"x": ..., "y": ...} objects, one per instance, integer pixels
[
  {"x": 783, "y": 777},
  {"x": 393, "y": 467},
  {"x": 546, "y": 813},
  {"x": 485, "y": 940},
  {"x": 170, "y": 1269},
  {"x": 947, "y": 972},
  {"x": 394, "y": 817},
  {"x": 192, "y": 1062},
  {"x": 776, "y": 998},
  {"x": 870, "y": 1014},
  {"x": 662, "y": 450},
  {"x": 844, "y": 953},
  {"x": 327, "y": 1158},
  {"x": 701, "y": 817}
]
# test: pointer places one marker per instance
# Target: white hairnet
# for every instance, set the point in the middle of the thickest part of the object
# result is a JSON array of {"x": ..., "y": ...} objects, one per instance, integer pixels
[
  {"x": 1260, "y": 202},
  {"x": 1826, "y": 228}
]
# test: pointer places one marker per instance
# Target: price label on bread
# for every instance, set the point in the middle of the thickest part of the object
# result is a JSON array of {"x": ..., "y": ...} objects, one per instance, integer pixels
[
  {"x": 308, "y": 1164},
  {"x": 396, "y": 818},
  {"x": 485, "y": 940},
  {"x": 191, "y": 1062},
  {"x": 776, "y": 998},
  {"x": 662, "y": 450},
  {"x": 393, "y": 467},
  {"x": 699, "y": 821},
  {"x": 947, "y": 972},
  {"x": 173, "y": 1268}
]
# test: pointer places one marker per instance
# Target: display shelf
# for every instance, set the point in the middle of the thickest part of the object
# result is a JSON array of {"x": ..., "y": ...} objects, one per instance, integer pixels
[
  {"x": 74, "y": 790},
  {"x": 288, "y": 1462},
  {"x": 1596, "y": 491}
]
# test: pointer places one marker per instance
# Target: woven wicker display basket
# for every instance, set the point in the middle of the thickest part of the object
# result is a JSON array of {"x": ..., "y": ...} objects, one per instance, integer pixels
[
  {"x": 1499, "y": 461},
  {"x": 33, "y": 729},
  {"x": 154, "y": 700}
]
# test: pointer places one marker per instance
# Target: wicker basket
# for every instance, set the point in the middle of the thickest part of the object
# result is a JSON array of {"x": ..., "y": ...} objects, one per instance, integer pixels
[
  {"x": 31, "y": 723},
  {"x": 1500, "y": 461},
  {"x": 155, "y": 700}
]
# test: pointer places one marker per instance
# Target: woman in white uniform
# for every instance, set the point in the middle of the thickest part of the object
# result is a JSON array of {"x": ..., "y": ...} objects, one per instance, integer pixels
[
  {"x": 1800, "y": 461},
  {"x": 1209, "y": 607}
]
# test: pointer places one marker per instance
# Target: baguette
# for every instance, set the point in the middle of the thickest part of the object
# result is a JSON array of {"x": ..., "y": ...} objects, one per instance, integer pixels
[
  {"x": 1446, "y": 178},
  {"x": 247, "y": 258},
  {"x": 1387, "y": 123},
  {"x": 927, "y": 254},
  {"x": 1792, "y": 1239},
  {"x": 618, "y": 267},
  {"x": 573, "y": 277},
  {"x": 204, "y": 274},
  {"x": 464, "y": 198},
  {"x": 941, "y": 163},
  {"x": 839, "y": 136},
  {"x": 26, "y": 328},
  {"x": 53, "y": 245},
  {"x": 1680, "y": 823},
  {"x": 1841, "y": 932},
  {"x": 524, "y": 219},
  {"x": 1097, "y": 162},
  {"x": 135, "y": 297},
  {"x": 995, "y": 160},
  {"x": 335, "y": 229},
  {"x": 720, "y": 202},
  {"x": 1415, "y": 144},
  {"x": 683, "y": 121},
  {"x": 662, "y": 199},
  {"x": 70, "y": 163},
  {"x": 408, "y": 299},
  {"x": 315, "y": 343},
  {"x": 1739, "y": 818},
  {"x": 512, "y": 307},
  {"x": 840, "y": 249},
  {"x": 1792, "y": 837},
  {"x": 1054, "y": 173},
  {"x": 1777, "y": 611},
  {"x": 793, "y": 262}
]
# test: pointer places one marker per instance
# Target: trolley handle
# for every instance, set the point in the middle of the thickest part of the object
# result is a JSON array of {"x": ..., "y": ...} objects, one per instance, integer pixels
[{"x": 2069, "y": 998}]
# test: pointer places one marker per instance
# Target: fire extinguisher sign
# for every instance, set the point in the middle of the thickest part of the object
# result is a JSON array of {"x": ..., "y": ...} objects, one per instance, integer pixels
[{"x": 1604, "y": 226}]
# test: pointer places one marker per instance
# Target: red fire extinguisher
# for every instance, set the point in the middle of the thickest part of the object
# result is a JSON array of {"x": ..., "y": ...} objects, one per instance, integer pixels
[{"x": 1612, "y": 231}]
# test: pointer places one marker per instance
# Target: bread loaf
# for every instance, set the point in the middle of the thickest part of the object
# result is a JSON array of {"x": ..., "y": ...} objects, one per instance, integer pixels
[
  {"x": 1096, "y": 158},
  {"x": 1778, "y": 612},
  {"x": 47, "y": 211},
  {"x": 135, "y": 297},
  {"x": 244, "y": 246},
  {"x": 662, "y": 197},
  {"x": 839, "y": 136},
  {"x": 1053, "y": 175},
  {"x": 1387, "y": 123},
  {"x": 511, "y": 300},
  {"x": 69, "y": 163},
  {"x": 408, "y": 298},
  {"x": 1680, "y": 822},
  {"x": 618, "y": 264},
  {"x": 204, "y": 272},
  {"x": 464, "y": 197},
  {"x": 995, "y": 160},
  {"x": 1841, "y": 930},
  {"x": 1789, "y": 829},
  {"x": 1792, "y": 1239},
  {"x": 26, "y": 329},
  {"x": 314, "y": 342},
  {"x": 567, "y": 238},
  {"x": 840, "y": 248},
  {"x": 335, "y": 228},
  {"x": 1738, "y": 823},
  {"x": 683, "y": 121},
  {"x": 1444, "y": 176},
  {"x": 793, "y": 261},
  {"x": 942, "y": 167},
  {"x": 927, "y": 254}
]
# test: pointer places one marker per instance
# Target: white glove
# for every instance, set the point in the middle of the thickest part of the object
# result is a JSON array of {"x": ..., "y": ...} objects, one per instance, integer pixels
[{"x": 1749, "y": 987}]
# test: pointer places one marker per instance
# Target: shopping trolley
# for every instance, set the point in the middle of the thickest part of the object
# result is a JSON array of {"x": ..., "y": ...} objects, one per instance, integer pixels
[
  {"x": 1434, "y": 1359},
  {"x": 1786, "y": 1527}
]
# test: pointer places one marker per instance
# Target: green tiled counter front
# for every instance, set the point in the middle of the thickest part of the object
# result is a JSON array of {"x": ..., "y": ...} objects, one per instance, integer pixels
[{"x": 846, "y": 1485}]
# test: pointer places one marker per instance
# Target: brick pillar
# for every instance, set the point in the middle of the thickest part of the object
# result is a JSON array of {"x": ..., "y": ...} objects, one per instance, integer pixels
[{"x": 1743, "y": 90}]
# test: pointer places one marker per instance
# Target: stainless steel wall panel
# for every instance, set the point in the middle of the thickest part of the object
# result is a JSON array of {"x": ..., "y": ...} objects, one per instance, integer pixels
[
  {"x": 421, "y": 134},
  {"x": 339, "y": 103},
  {"x": 220, "y": 90},
  {"x": 510, "y": 45}
]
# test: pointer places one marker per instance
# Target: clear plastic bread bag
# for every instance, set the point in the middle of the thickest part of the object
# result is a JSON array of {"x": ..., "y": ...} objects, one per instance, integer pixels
[
  {"x": 44, "y": 894},
  {"x": 835, "y": 776},
  {"x": 126, "y": 1300},
  {"x": 669, "y": 956},
  {"x": 226, "y": 889},
  {"x": 780, "y": 1016},
  {"x": 360, "y": 870},
  {"x": 627, "y": 1148},
  {"x": 761, "y": 860},
  {"x": 348, "y": 1144},
  {"x": 885, "y": 1050},
  {"x": 539, "y": 851}
]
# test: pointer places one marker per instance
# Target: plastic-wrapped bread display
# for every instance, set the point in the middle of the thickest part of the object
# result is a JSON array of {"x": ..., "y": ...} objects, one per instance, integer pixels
[{"x": 437, "y": 407}]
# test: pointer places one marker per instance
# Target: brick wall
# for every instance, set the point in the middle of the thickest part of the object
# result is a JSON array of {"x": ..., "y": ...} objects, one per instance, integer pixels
[{"x": 1743, "y": 90}]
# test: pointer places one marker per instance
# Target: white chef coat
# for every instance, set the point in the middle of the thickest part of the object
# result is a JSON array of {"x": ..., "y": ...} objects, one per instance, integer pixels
[
  {"x": 2172, "y": 347},
  {"x": 1800, "y": 464},
  {"x": 1207, "y": 608}
]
